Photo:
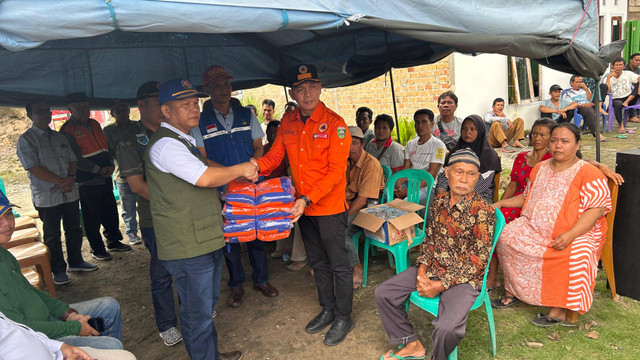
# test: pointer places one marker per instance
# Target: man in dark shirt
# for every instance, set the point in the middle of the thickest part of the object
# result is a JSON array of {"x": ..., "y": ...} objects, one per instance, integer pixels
[
  {"x": 129, "y": 152},
  {"x": 451, "y": 266}
]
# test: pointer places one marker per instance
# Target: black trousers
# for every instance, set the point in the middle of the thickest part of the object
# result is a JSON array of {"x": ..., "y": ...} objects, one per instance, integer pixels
[
  {"x": 560, "y": 120},
  {"x": 617, "y": 109},
  {"x": 99, "y": 208},
  {"x": 70, "y": 216},
  {"x": 323, "y": 238}
]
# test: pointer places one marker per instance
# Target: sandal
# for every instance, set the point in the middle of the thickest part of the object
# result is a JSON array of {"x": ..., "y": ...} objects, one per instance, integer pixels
[
  {"x": 492, "y": 288},
  {"x": 621, "y": 136},
  {"x": 498, "y": 304},
  {"x": 409, "y": 357},
  {"x": 297, "y": 265},
  {"x": 621, "y": 131},
  {"x": 542, "y": 320},
  {"x": 631, "y": 131},
  {"x": 277, "y": 254}
]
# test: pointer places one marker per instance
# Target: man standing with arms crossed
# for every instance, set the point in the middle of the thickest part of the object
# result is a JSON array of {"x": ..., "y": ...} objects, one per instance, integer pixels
[
  {"x": 316, "y": 143},
  {"x": 186, "y": 214},
  {"x": 129, "y": 151}
]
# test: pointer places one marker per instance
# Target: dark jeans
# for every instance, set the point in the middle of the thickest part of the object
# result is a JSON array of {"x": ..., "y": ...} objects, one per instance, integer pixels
[
  {"x": 99, "y": 208},
  {"x": 70, "y": 216},
  {"x": 324, "y": 241},
  {"x": 560, "y": 120},
  {"x": 197, "y": 280},
  {"x": 257, "y": 258},
  {"x": 161, "y": 285}
]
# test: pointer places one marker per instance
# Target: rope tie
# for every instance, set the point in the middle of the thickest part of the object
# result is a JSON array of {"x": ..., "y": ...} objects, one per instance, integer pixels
[
  {"x": 580, "y": 23},
  {"x": 113, "y": 14}
]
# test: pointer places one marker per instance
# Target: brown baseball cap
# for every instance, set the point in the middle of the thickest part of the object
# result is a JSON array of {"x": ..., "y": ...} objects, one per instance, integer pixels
[{"x": 213, "y": 73}]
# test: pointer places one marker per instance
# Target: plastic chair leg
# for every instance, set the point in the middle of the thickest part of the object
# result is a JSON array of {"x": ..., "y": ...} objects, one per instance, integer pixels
[
  {"x": 492, "y": 326},
  {"x": 453, "y": 355},
  {"x": 356, "y": 239},
  {"x": 392, "y": 263},
  {"x": 366, "y": 263}
]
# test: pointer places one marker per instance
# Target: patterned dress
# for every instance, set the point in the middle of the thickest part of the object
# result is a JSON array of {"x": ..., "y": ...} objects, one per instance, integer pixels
[
  {"x": 535, "y": 272},
  {"x": 520, "y": 174}
]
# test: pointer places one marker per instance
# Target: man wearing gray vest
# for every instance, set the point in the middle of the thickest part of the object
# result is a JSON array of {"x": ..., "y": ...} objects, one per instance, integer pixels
[{"x": 186, "y": 215}]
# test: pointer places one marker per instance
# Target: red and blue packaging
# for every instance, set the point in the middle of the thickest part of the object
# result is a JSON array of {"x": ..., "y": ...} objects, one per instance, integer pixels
[{"x": 261, "y": 211}]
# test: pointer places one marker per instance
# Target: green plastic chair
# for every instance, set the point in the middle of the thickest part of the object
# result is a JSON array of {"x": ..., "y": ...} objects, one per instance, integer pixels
[
  {"x": 431, "y": 305},
  {"x": 400, "y": 250},
  {"x": 356, "y": 237}
]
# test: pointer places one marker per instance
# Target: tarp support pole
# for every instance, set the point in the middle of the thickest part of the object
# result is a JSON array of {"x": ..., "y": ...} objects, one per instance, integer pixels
[
  {"x": 598, "y": 121},
  {"x": 286, "y": 97},
  {"x": 395, "y": 109}
]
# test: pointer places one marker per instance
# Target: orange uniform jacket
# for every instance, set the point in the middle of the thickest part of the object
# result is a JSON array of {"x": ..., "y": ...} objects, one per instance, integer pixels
[{"x": 317, "y": 151}]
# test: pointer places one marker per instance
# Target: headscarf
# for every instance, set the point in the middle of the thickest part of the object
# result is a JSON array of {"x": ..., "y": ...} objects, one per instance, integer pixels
[{"x": 489, "y": 160}]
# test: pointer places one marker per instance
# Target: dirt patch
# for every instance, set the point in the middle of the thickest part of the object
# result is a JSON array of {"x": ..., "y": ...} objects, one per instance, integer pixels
[{"x": 263, "y": 328}]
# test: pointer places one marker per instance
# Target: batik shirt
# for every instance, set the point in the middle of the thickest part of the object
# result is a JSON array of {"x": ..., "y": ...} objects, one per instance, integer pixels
[{"x": 458, "y": 240}]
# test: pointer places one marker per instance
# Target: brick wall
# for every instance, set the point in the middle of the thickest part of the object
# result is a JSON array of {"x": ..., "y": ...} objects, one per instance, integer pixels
[{"x": 416, "y": 87}]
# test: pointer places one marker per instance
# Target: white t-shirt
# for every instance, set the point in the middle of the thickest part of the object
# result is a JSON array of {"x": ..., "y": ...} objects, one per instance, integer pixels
[
  {"x": 421, "y": 156},
  {"x": 621, "y": 87},
  {"x": 433, "y": 151}
]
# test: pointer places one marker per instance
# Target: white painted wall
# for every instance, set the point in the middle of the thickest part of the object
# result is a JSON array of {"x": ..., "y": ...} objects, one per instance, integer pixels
[
  {"x": 477, "y": 80},
  {"x": 608, "y": 9}
]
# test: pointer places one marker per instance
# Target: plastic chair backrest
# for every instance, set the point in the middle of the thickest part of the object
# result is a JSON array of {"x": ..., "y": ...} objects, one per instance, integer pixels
[
  {"x": 414, "y": 178},
  {"x": 387, "y": 173}
]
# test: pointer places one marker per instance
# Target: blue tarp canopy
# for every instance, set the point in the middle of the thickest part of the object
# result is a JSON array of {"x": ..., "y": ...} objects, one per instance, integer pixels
[{"x": 108, "y": 48}]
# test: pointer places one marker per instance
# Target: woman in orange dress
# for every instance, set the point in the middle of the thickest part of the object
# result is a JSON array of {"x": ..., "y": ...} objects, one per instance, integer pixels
[{"x": 549, "y": 255}]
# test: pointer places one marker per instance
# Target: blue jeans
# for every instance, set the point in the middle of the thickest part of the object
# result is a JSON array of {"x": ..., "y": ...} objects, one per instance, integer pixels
[
  {"x": 128, "y": 203},
  {"x": 161, "y": 285},
  {"x": 107, "y": 308},
  {"x": 197, "y": 280},
  {"x": 257, "y": 258}
]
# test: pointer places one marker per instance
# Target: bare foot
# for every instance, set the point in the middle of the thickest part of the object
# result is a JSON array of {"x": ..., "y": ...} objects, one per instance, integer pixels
[
  {"x": 414, "y": 349},
  {"x": 517, "y": 143},
  {"x": 357, "y": 276}
]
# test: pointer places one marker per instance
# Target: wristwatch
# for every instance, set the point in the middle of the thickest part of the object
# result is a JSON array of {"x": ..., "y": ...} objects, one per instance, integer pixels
[
  {"x": 67, "y": 313},
  {"x": 306, "y": 200}
]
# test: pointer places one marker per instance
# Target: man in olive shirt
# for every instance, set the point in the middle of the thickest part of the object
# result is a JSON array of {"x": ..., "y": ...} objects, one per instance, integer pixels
[
  {"x": 129, "y": 152},
  {"x": 114, "y": 133}
]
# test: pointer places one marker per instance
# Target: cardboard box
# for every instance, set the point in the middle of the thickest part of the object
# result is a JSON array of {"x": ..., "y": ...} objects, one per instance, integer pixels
[{"x": 393, "y": 231}]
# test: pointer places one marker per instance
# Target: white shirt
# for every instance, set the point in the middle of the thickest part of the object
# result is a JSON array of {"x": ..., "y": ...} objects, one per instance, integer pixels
[
  {"x": 421, "y": 156},
  {"x": 621, "y": 87},
  {"x": 171, "y": 156},
  {"x": 579, "y": 96},
  {"x": 18, "y": 342},
  {"x": 490, "y": 117}
]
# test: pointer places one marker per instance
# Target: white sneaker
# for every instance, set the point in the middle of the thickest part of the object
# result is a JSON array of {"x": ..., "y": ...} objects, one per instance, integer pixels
[
  {"x": 134, "y": 239},
  {"x": 171, "y": 336}
]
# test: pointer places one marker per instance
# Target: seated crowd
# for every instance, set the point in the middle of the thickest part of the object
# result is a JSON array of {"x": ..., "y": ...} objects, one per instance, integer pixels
[{"x": 178, "y": 158}]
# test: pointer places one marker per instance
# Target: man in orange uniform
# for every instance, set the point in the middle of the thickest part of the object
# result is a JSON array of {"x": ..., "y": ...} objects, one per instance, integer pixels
[{"x": 316, "y": 143}]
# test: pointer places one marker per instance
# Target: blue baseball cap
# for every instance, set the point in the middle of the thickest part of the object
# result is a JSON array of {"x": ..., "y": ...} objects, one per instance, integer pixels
[
  {"x": 5, "y": 204},
  {"x": 177, "y": 89}
]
